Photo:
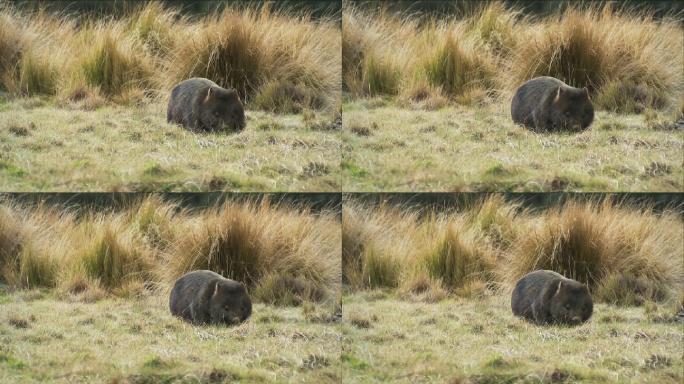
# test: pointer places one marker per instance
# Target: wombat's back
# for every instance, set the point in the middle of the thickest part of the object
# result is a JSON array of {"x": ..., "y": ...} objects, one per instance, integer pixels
[
  {"x": 529, "y": 96},
  {"x": 531, "y": 288},
  {"x": 186, "y": 289},
  {"x": 183, "y": 101}
]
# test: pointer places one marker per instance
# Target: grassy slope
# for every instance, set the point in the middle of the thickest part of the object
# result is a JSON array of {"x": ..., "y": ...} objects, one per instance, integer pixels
[
  {"x": 50, "y": 148},
  {"x": 43, "y": 338},
  {"x": 479, "y": 341},
  {"x": 389, "y": 148}
]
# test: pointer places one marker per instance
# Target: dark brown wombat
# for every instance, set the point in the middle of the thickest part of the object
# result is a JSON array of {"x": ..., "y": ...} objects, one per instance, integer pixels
[
  {"x": 548, "y": 104},
  {"x": 200, "y": 104},
  {"x": 203, "y": 297},
  {"x": 545, "y": 297}
]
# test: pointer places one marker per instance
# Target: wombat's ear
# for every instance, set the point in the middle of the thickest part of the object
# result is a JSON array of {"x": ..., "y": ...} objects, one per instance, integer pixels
[
  {"x": 214, "y": 288},
  {"x": 586, "y": 92},
  {"x": 560, "y": 285},
  {"x": 559, "y": 91},
  {"x": 210, "y": 94}
]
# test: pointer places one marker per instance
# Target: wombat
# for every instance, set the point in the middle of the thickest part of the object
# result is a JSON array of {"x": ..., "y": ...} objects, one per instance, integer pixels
[
  {"x": 203, "y": 297},
  {"x": 548, "y": 104},
  {"x": 200, "y": 104},
  {"x": 545, "y": 297}
]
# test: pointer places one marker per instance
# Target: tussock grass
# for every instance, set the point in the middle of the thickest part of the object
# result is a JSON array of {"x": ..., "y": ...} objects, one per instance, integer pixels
[
  {"x": 154, "y": 26},
  {"x": 286, "y": 255},
  {"x": 11, "y": 44},
  {"x": 457, "y": 67},
  {"x": 627, "y": 255},
  {"x": 114, "y": 63},
  {"x": 111, "y": 254},
  {"x": 458, "y": 260},
  {"x": 279, "y": 61},
  {"x": 373, "y": 63},
  {"x": 628, "y": 60},
  {"x": 28, "y": 246}
]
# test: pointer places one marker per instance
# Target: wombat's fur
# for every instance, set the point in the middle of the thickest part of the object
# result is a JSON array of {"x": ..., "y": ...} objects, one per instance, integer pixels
[
  {"x": 548, "y": 104},
  {"x": 545, "y": 297},
  {"x": 200, "y": 104},
  {"x": 203, "y": 297}
]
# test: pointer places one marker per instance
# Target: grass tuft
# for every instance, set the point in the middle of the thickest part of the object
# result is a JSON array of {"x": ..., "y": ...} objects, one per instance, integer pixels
[
  {"x": 115, "y": 64},
  {"x": 457, "y": 260}
]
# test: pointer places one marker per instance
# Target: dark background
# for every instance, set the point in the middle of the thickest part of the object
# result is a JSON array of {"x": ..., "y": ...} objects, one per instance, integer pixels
[
  {"x": 657, "y": 202},
  {"x": 317, "y": 8},
  {"x": 315, "y": 202},
  {"x": 530, "y": 7}
]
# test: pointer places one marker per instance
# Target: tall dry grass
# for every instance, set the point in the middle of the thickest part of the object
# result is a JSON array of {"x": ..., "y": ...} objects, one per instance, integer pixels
[
  {"x": 284, "y": 254},
  {"x": 629, "y": 61},
  {"x": 627, "y": 255},
  {"x": 278, "y": 60}
]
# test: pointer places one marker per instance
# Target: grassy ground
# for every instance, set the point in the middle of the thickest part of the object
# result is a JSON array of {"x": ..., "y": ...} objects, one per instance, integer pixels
[
  {"x": 479, "y": 341},
  {"x": 387, "y": 147},
  {"x": 47, "y": 338},
  {"x": 47, "y": 147}
]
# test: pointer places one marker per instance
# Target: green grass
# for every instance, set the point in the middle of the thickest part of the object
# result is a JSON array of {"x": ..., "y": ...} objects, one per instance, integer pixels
[
  {"x": 389, "y": 147},
  {"x": 480, "y": 341},
  {"x": 46, "y": 146},
  {"x": 46, "y": 338}
]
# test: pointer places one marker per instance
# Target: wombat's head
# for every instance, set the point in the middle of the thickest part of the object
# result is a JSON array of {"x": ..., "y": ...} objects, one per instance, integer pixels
[
  {"x": 571, "y": 303},
  {"x": 222, "y": 110},
  {"x": 229, "y": 303},
  {"x": 571, "y": 109}
]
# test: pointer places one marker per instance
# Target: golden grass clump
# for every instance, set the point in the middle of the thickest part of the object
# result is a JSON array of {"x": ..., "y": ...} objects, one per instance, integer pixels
[
  {"x": 114, "y": 63},
  {"x": 30, "y": 246},
  {"x": 29, "y": 65},
  {"x": 156, "y": 220},
  {"x": 458, "y": 258},
  {"x": 373, "y": 250},
  {"x": 496, "y": 26},
  {"x": 156, "y": 26},
  {"x": 11, "y": 45},
  {"x": 111, "y": 254},
  {"x": 372, "y": 61},
  {"x": 458, "y": 66},
  {"x": 627, "y": 255}
]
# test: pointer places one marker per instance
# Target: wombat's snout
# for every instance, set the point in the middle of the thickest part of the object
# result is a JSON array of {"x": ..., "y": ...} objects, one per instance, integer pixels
[{"x": 576, "y": 320}]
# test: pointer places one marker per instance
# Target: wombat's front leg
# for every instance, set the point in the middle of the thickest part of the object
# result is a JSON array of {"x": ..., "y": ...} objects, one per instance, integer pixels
[
  {"x": 539, "y": 313},
  {"x": 539, "y": 120},
  {"x": 199, "y": 315}
]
